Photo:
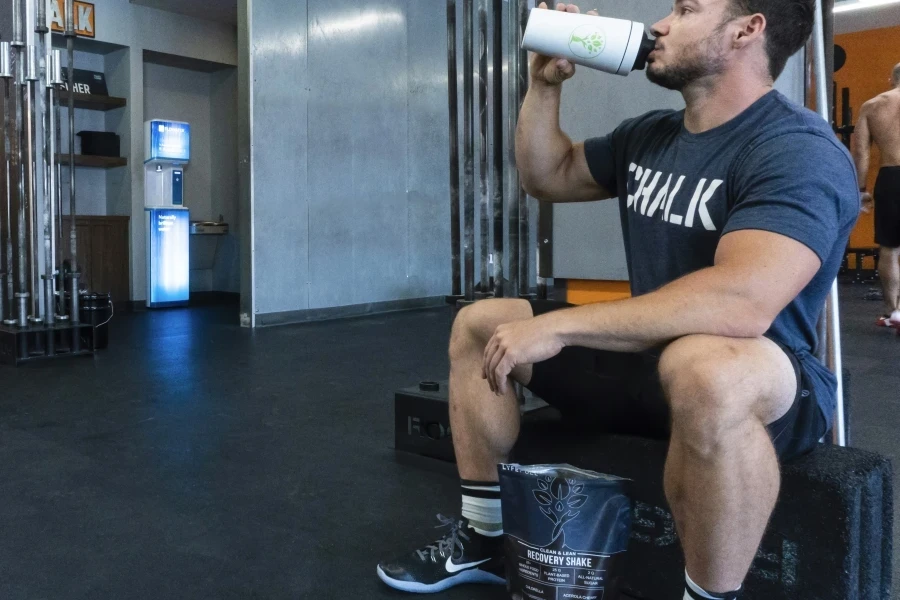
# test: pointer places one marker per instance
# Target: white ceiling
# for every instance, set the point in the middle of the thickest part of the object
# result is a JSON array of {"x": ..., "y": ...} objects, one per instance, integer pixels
[
  {"x": 211, "y": 10},
  {"x": 868, "y": 18}
]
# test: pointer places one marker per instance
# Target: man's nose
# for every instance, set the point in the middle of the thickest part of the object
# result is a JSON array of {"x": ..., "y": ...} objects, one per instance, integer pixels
[{"x": 660, "y": 28}]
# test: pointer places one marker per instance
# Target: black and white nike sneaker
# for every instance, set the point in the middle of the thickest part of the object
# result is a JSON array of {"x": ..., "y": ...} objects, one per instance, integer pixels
[{"x": 462, "y": 555}]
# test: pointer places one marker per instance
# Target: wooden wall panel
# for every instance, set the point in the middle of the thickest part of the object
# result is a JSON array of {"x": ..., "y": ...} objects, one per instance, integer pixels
[{"x": 102, "y": 254}]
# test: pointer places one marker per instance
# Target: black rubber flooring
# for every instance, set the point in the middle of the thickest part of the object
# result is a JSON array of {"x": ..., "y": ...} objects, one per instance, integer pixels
[{"x": 196, "y": 459}]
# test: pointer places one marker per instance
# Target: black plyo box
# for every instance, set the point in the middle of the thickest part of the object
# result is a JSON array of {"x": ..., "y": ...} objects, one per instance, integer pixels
[
  {"x": 422, "y": 421},
  {"x": 830, "y": 537}
]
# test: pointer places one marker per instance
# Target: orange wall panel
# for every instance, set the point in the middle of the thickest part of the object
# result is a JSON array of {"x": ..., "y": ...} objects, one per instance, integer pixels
[
  {"x": 583, "y": 291},
  {"x": 870, "y": 57}
]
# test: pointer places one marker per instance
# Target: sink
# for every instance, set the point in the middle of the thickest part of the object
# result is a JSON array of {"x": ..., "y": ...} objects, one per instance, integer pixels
[{"x": 208, "y": 228}]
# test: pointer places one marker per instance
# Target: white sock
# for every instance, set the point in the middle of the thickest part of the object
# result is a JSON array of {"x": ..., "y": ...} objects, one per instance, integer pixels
[
  {"x": 694, "y": 591},
  {"x": 481, "y": 506}
]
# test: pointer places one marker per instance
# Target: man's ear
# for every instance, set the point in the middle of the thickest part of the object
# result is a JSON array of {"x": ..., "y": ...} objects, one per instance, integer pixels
[{"x": 750, "y": 30}]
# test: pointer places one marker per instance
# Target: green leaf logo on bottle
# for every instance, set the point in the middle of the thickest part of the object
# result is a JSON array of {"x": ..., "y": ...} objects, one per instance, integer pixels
[{"x": 587, "y": 41}]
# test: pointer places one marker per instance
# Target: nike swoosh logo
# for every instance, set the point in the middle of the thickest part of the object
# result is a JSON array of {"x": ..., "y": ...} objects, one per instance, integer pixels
[{"x": 454, "y": 568}]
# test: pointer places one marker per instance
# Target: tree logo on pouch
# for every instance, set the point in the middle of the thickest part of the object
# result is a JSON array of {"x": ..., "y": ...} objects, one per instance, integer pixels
[
  {"x": 559, "y": 500},
  {"x": 587, "y": 41}
]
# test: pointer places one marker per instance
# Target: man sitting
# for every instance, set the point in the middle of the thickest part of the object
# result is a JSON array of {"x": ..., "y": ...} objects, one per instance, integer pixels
[{"x": 736, "y": 212}]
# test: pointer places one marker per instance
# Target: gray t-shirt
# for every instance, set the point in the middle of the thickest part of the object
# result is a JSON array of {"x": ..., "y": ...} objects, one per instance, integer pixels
[{"x": 775, "y": 167}]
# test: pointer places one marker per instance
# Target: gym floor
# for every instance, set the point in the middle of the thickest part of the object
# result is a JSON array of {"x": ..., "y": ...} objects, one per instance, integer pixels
[{"x": 195, "y": 459}]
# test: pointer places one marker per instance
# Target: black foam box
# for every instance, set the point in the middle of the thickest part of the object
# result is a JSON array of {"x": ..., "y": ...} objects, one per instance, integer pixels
[
  {"x": 422, "y": 420},
  {"x": 830, "y": 537}
]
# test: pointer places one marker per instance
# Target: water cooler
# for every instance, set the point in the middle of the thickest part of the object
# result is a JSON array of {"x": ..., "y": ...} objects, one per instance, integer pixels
[{"x": 167, "y": 146}]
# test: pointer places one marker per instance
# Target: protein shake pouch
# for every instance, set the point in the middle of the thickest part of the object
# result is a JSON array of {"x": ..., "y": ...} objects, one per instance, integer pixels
[{"x": 566, "y": 531}]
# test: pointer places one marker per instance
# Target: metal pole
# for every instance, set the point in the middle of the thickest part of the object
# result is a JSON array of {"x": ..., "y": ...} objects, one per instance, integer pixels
[
  {"x": 512, "y": 210},
  {"x": 542, "y": 248},
  {"x": 453, "y": 103},
  {"x": 539, "y": 280},
  {"x": 46, "y": 160},
  {"x": 52, "y": 148},
  {"x": 61, "y": 282},
  {"x": 40, "y": 22},
  {"x": 485, "y": 201},
  {"x": 497, "y": 129},
  {"x": 19, "y": 166},
  {"x": 469, "y": 148},
  {"x": 832, "y": 309},
  {"x": 6, "y": 268},
  {"x": 54, "y": 83},
  {"x": 18, "y": 24},
  {"x": 524, "y": 218},
  {"x": 31, "y": 92},
  {"x": 49, "y": 217},
  {"x": 73, "y": 235}
]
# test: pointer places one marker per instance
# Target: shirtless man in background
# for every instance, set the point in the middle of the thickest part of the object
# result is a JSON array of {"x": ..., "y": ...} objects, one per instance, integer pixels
[{"x": 879, "y": 122}]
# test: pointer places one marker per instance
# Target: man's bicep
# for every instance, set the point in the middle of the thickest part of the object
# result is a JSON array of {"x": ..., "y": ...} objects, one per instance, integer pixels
[
  {"x": 772, "y": 268},
  {"x": 583, "y": 180},
  {"x": 574, "y": 180}
]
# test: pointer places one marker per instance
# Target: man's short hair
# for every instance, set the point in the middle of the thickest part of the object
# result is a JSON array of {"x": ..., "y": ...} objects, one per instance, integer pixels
[
  {"x": 895, "y": 76},
  {"x": 789, "y": 23}
]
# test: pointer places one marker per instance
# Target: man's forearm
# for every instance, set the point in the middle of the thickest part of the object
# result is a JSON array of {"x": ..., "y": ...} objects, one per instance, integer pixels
[
  {"x": 862, "y": 167},
  {"x": 699, "y": 303},
  {"x": 541, "y": 146},
  {"x": 860, "y": 147}
]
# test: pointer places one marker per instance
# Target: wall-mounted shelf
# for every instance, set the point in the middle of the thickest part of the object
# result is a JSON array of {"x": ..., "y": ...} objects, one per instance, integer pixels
[
  {"x": 97, "y": 162},
  {"x": 93, "y": 101}
]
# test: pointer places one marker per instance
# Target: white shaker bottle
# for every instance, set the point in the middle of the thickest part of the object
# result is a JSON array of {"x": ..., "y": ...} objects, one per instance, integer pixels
[{"x": 612, "y": 45}]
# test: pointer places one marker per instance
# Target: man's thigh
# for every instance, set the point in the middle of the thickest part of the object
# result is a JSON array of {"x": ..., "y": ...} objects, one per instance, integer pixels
[
  {"x": 613, "y": 392},
  {"x": 607, "y": 392}
]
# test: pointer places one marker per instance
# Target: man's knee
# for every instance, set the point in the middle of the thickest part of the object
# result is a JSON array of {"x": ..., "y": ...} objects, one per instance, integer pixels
[
  {"x": 475, "y": 324},
  {"x": 697, "y": 374}
]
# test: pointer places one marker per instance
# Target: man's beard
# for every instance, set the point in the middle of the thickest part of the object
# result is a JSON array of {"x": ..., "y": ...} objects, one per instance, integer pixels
[{"x": 704, "y": 60}]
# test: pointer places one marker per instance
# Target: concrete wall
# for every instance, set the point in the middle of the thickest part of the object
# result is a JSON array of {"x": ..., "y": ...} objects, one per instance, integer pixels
[
  {"x": 347, "y": 190},
  {"x": 347, "y": 176},
  {"x": 245, "y": 173},
  {"x": 224, "y": 184}
]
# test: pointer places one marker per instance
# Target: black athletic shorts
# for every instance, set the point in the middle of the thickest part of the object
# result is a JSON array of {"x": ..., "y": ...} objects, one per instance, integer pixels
[
  {"x": 887, "y": 207},
  {"x": 616, "y": 392}
]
